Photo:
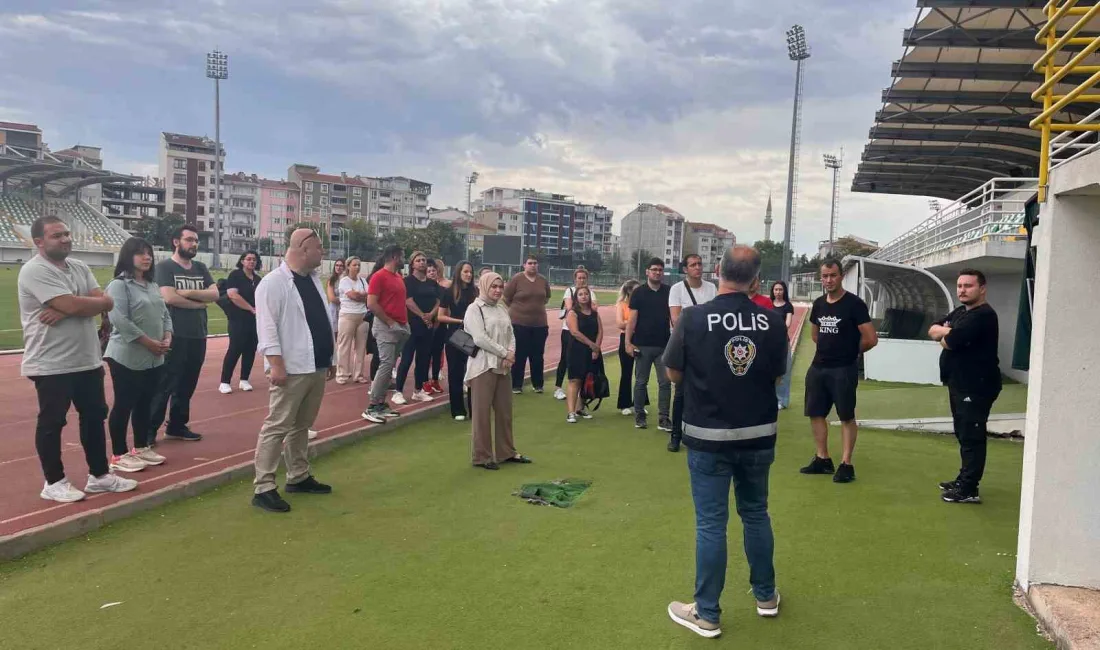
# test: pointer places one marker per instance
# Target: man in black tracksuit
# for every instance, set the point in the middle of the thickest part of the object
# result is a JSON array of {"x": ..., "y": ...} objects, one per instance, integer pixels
[{"x": 971, "y": 371}]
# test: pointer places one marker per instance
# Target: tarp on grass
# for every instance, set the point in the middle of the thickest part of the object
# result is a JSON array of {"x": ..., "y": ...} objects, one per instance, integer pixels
[{"x": 562, "y": 493}]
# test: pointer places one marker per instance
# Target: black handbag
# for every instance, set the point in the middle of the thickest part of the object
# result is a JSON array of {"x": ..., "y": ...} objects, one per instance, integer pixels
[{"x": 461, "y": 340}]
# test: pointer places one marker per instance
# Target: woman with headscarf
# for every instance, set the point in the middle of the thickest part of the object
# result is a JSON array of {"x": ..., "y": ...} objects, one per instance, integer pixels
[{"x": 488, "y": 374}]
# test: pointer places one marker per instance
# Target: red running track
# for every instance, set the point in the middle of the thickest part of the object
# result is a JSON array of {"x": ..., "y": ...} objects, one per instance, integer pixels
[{"x": 229, "y": 424}]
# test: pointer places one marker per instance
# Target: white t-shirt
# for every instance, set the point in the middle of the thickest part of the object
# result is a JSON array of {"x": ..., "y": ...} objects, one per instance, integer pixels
[
  {"x": 347, "y": 305},
  {"x": 569, "y": 293},
  {"x": 678, "y": 294}
]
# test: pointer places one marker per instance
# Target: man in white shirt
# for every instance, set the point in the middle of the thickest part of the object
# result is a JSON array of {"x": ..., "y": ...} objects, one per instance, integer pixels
[
  {"x": 296, "y": 340},
  {"x": 692, "y": 290}
]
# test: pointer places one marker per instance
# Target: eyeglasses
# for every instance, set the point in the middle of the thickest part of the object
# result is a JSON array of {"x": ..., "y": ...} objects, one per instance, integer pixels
[{"x": 656, "y": 269}]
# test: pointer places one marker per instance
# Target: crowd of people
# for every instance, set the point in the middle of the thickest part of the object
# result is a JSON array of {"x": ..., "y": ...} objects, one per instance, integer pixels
[{"x": 724, "y": 348}]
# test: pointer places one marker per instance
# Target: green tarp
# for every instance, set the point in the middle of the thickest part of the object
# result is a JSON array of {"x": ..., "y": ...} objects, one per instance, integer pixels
[{"x": 562, "y": 493}]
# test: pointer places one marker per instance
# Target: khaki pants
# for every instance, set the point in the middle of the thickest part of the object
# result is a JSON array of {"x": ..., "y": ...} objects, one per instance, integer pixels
[
  {"x": 293, "y": 408},
  {"x": 351, "y": 346},
  {"x": 491, "y": 392}
]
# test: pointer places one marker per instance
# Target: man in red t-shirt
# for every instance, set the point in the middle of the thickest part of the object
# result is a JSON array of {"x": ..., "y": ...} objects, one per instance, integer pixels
[
  {"x": 758, "y": 298},
  {"x": 386, "y": 299}
]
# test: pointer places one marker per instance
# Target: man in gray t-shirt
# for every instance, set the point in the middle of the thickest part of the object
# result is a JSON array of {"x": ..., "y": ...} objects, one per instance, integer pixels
[{"x": 59, "y": 299}]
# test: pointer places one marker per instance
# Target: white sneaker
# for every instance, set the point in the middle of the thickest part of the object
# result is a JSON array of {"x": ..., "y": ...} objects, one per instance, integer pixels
[
  {"x": 62, "y": 492},
  {"x": 127, "y": 463},
  {"x": 559, "y": 394},
  {"x": 399, "y": 399},
  {"x": 245, "y": 385},
  {"x": 460, "y": 418},
  {"x": 571, "y": 418},
  {"x": 421, "y": 396},
  {"x": 109, "y": 483},
  {"x": 768, "y": 610},
  {"x": 225, "y": 389},
  {"x": 311, "y": 434},
  {"x": 627, "y": 411},
  {"x": 149, "y": 456}
]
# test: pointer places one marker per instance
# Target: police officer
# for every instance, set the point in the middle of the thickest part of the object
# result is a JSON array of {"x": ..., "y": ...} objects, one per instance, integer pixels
[{"x": 727, "y": 356}]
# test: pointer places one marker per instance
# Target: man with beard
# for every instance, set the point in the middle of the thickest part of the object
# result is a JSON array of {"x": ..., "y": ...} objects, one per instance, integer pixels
[
  {"x": 187, "y": 288},
  {"x": 58, "y": 301}
]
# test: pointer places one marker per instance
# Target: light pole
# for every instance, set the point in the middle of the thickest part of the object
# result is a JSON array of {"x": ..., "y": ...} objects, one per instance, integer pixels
[
  {"x": 834, "y": 163},
  {"x": 217, "y": 68},
  {"x": 798, "y": 51},
  {"x": 471, "y": 180}
]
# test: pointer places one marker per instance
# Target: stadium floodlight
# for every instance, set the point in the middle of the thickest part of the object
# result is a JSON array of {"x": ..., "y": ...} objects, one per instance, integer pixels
[
  {"x": 934, "y": 206},
  {"x": 471, "y": 180},
  {"x": 797, "y": 48},
  {"x": 834, "y": 163},
  {"x": 799, "y": 51},
  {"x": 217, "y": 68}
]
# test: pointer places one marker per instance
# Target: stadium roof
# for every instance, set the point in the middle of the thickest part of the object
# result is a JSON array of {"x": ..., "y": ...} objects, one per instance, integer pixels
[
  {"x": 57, "y": 176},
  {"x": 957, "y": 111}
]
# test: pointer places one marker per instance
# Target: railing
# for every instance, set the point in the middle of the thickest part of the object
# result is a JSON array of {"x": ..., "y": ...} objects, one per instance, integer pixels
[
  {"x": 993, "y": 211},
  {"x": 1063, "y": 148}
]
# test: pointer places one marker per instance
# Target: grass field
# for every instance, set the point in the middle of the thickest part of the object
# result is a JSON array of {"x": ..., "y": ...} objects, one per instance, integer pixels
[{"x": 415, "y": 549}]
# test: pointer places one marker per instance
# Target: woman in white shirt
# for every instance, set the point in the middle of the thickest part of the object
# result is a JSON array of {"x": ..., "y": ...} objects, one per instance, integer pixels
[{"x": 351, "y": 337}]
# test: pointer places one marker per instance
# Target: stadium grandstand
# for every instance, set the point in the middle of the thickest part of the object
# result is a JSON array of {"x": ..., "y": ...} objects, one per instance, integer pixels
[{"x": 36, "y": 182}]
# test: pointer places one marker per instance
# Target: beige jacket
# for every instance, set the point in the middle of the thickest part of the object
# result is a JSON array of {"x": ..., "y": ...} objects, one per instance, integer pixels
[{"x": 491, "y": 329}]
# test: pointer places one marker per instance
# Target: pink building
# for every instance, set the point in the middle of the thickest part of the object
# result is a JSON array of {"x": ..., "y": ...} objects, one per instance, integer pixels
[{"x": 278, "y": 209}]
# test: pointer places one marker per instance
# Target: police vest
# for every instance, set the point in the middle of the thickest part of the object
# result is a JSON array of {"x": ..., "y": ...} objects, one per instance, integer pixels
[{"x": 734, "y": 350}]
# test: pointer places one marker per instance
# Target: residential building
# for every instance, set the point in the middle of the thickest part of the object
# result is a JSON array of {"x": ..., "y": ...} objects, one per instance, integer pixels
[
  {"x": 126, "y": 204},
  {"x": 448, "y": 214},
  {"x": 474, "y": 233},
  {"x": 387, "y": 203},
  {"x": 278, "y": 211},
  {"x": 88, "y": 157},
  {"x": 593, "y": 229},
  {"x": 825, "y": 248},
  {"x": 240, "y": 211},
  {"x": 24, "y": 139},
  {"x": 708, "y": 241},
  {"x": 187, "y": 164},
  {"x": 655, "y": 228},
  {"x": 553, "y": 226},
  {"x": 507, "y": 221}
]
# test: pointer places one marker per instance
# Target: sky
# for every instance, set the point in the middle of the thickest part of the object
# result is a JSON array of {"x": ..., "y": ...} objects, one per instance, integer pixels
[{"x": 616, "y": 102}]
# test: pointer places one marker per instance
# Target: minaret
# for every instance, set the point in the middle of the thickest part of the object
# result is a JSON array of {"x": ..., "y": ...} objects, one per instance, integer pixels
[{"x": 768, "y": 220}]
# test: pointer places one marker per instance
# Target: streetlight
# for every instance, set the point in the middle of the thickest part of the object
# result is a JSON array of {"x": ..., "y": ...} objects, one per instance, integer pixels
[
  {"x": 834, "y": 163},
  {"x": 217, "y": 68},
  {"x": 471, "y": 180},
  {"x": 798, "y": 51}
]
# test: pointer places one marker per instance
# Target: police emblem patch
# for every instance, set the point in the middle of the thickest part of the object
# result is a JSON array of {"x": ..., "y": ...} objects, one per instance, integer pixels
[{"x": 740, "y": 353}]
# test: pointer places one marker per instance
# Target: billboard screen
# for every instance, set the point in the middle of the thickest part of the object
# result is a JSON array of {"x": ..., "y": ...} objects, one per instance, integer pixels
[{"x": 503, "y": 249}]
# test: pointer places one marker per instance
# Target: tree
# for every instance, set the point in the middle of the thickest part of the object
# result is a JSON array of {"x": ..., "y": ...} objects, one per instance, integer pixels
[
  {"x": 636, "y": 266},
  {"x": 362, "y": 240},
  {"x": 158, "y": 232},
  {"x": 442, "y": 240},
  {"x": 614, "y": 264},
  {"x": 265, "y": 245},
  {"x": 592, "y": 260},
  {"x": 771, "y": 258}
]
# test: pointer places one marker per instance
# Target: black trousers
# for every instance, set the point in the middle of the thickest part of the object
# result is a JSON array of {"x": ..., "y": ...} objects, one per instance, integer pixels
[
  {"x": 626, "y": 379},
  {"x": 970, "y": 414},
  {"x": 182, "y": 367},
  {"x": 134, "y": 391},
  {"x": 439, "y": 341},
  {"x": 456, "y": 373},
  {"x": 530, "y": 347},
  {"x": 83, "y": 390},
  {"x": 563, "y": 362},
  {"x": 242, "y": 346},
  {"x": 418, "y": 348},
  {"x": 677, "y": 411}
]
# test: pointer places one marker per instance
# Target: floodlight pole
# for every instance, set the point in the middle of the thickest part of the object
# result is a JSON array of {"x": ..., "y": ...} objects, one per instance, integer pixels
[
  {"x": 798, "y": 51},
  {"x": 217, "y": 68},
  {"x": 471, "y": 180},
  {"x": 834, "y": 163}
]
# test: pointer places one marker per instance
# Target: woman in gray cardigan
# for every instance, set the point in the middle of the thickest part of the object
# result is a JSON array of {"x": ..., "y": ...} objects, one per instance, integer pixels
[{"x": 141, "y": 335}]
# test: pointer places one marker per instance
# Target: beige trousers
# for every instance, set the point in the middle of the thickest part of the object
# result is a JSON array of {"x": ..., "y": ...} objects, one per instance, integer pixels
[
  {"x": 351, "y": 346},
  {"x": 292, "y": 410},
  {"x": 491, "y": 399}
]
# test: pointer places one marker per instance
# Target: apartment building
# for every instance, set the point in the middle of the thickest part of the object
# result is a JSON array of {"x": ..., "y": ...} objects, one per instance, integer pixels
[
  {"x": 554, "y": 226},
  {"x": 387, "y": 203},
  {"x": 127, "y": 204},
  {"x": 708, "y": 241},
  {"x": 187, "y": 164},
  {"x": 278, "y": 210},
  {"x": 88, "y": 157},
  {"x": 240, "y": 211},
  {"x": 447, "y": 215},
  {"x": 24, "y": 139},
  {"x": 506, "y": 221},
  {"x": 593, "y": 229},
  {"x": 655, "y": 228}
]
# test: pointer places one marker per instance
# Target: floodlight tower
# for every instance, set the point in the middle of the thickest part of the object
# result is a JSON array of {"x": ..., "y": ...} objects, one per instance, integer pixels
[
  {"x": 217, "y": 68},
  {"x": 934, "y": 206},
  {"x": 834, "y": 163},
  {"x": 798, "y": 51},
  {"x": 471, "y": 180}
]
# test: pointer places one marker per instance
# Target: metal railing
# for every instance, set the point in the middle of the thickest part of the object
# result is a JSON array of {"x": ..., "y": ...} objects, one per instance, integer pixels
[
  {"x": 1061, "y": 148},
  {"x": 993, "y": 211}
]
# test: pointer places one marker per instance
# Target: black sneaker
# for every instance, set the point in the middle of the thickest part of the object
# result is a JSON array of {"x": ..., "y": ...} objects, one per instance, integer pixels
[
  {"x": 538, "y": 390},
  {"x": 186, "y": 435},
  {"x": 958, "y": 496},
  {"x": 309, "y": 486},
  {"x": 640, "y": 423},
  {"x": 674, "y": 445},
  {"x": 845, "y": 473},
  {"x": 517, "y": 391},
  {"x": 948, "y": 485},
  {"x": 664, "y": 424},
  {"x": 819, "y": 465},
  {"x": 270, "y": 501},
  {"x": 388, "y": 411},
  {"x": 374, "y": 414}
]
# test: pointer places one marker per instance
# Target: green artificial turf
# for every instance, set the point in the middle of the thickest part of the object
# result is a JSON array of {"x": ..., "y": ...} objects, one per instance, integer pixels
[{"x": 416, "y": 549}]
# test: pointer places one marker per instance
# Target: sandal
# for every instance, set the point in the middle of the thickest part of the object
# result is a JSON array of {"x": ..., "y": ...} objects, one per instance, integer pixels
[
  {"x": 488, "y": 465},
  {"x": 519, "y": 458}
]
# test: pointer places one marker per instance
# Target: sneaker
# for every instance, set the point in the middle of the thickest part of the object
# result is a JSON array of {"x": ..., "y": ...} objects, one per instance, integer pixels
[
  {"x": 539, "y": 390},
  {"x": 781, "y": 406},
  {"x": 421, "y": 396},
  {"x": 819, "y": 465},
  {"x": 270, "y": 501},
  {"x": 584, "y": 414},
  {"x": 571, "y": 418},
  {"x": 149, "y": 456},
  {"x": 225, "y": 389},
  {"x": 958, "y": 496},
  {"x": 109, "y": 483},
  {"x": 373, "y": 413},
  {"x": 436, "y": 388},
  {"x": 627, "y": 411},
  {"x": 673, "y": 445},
  {"x": 686, "y": 614},
  {"x": 664, "y": 424},
  {"x": 845, "y": 473},
  {"x": 399, "y": 399},
  {"x": 186, "y": 435},
  {"x": 559, "y": 394},
  {"x": 769, "y": 609},
  {"x": 311, "y": 434},
  {"x": 948, "y": 485},
  {"x": 62, "y": 492},
  {"x": 640, "y": 423},
  {"x": 309, "y": 486},
  {"x": 245, "y": 385},
  {"x": 387, "y": 412},
  {"x": 127, "y": 463},
  {"x": 517, "y": 391},
  {"x": 460, "y": 418}
]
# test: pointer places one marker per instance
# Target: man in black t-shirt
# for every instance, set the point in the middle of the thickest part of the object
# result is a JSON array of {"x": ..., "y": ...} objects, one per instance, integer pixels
[
  {"x": 422, "y": 299},
  {"x": 842, "y": 330},
  {"x": 647, "y": 334},
  {"x": 970, "y": 369}
]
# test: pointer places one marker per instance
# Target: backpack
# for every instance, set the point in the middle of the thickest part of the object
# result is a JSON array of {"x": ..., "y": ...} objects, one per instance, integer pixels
[{"x": 595, "y": 386}]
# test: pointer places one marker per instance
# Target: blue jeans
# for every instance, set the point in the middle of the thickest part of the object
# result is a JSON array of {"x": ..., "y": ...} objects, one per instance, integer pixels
[
  {"x": 711, "y": 474},
  {"x": 783, "y": 388}
]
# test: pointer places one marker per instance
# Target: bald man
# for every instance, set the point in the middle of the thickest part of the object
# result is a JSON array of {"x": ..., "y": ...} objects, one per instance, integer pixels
[{"x": 297, "y": 345}]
